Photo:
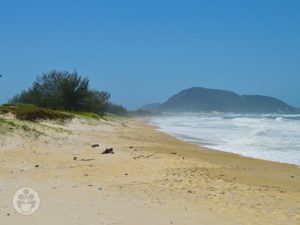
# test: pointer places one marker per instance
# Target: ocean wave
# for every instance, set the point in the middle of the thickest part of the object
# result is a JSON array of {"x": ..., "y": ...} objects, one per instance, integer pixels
[{"x": 271, "y": 137}]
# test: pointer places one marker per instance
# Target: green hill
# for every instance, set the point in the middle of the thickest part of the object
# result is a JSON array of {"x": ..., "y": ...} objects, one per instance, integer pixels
[{"x": 199, "y": 99}]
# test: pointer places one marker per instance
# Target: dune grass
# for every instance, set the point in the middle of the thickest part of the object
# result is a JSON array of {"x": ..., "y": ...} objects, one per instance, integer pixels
[
  {"x": 33, "y": 113},
  {"x": 87, "y": 115},
  {"x": 29, "y": 119},
  {"x": 10, "y": 125}
]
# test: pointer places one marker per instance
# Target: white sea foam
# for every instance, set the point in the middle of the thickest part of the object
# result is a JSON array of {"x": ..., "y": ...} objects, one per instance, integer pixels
[{"x": 270, "y": 137}]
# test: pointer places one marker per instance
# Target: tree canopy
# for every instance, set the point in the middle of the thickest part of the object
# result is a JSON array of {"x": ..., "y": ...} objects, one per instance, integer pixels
[{"x": 66, "y": 91}]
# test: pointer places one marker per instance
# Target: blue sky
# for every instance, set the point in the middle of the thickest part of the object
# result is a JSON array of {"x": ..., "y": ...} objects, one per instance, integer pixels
[{"x": 145, "y": 51}]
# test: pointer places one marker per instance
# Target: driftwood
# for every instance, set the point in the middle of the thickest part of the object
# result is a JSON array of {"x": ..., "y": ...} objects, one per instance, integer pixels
[
  {"x": 108, "y": 151},
  {"x": 142, "y": 156},
  {"x": 86, "y": 160}
]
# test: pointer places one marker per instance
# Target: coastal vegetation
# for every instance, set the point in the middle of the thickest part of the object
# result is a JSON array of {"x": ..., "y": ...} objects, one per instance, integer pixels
[
  {"x": 54, "y": 95},
  {"x": 33, "y": 113},
  {"x": 10, "y": 125}
]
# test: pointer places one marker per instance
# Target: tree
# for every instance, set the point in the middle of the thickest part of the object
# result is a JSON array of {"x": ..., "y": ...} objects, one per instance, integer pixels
[
  {"x": 64, "y": 90},
  {"x": 117, "y": 109},
  {"x": 97, "y": 102}
]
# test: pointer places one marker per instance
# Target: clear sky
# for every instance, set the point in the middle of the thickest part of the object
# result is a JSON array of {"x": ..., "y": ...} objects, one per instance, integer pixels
[{"x": 145, "y": 51}]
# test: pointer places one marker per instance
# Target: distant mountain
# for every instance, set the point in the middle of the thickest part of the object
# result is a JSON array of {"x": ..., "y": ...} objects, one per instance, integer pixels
[{"x": 199, "y": 99}]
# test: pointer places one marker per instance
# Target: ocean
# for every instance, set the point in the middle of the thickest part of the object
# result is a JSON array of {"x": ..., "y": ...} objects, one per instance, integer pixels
[{"x": 269, "y": 137}]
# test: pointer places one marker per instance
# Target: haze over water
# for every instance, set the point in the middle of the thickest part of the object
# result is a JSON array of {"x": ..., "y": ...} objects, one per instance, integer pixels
[{"x": 269, "y": 137}]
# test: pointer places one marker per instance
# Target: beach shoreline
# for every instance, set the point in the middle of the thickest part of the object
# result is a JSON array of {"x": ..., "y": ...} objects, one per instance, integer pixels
[
  {"x": 267, "y": 137},
  {"x": 201, "y": 146},
  {"x": 151, "y": 173}
]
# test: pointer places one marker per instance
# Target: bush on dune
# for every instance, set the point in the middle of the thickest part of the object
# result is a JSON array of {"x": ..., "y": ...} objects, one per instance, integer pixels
[{"x": 60, "y": 90}]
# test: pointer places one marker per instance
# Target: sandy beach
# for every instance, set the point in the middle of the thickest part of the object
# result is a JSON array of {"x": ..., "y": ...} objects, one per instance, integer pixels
[{"x": 151, "y": 179}]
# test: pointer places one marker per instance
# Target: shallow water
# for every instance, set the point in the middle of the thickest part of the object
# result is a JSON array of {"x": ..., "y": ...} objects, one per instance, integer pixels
[{"x": 270, "y": 137}]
